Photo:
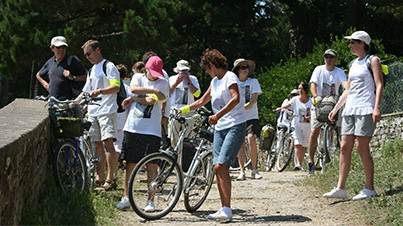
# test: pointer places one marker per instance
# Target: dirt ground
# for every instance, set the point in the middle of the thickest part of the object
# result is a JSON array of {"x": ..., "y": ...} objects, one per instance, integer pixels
[{"x": 273, "y": 200}]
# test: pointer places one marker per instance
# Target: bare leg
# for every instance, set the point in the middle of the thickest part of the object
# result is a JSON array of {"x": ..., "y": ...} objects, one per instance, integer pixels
[
  {"x": 100, "y": 152},
  {"x": 300, "y": 153},
  {"x": 151, "y": 175},
  {"x": 253, "y": 150},
  {"x": 347, "y": 144},
  {"x": 367, "y": 161},
  {"x": 128, "y": 172},
  {"x": 111, "y": 158},
  {"x": 223, "y": 184},
  {"x": 242, "y": 158},
  {"x": 313, "y": 142}
]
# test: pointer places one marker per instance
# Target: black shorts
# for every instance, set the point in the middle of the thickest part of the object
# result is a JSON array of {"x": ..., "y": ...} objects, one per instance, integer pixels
[
  {"x": 253, "y": 127},
  {"x": 135, "y": 146}
]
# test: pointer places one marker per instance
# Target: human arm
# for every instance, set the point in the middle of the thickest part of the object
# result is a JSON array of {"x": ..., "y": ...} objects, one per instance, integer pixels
[
  {"x": 253, "y": 101},
  {"x": 78, "y": 78},
  {"x": 198, "y": 103},
  {"x": 342, "y": 100},
  {"x": 106, "y": 91},
  {"x": 378, "y": 79},
  {"x": 136, "y": 89},
  {"x": 43, "y": 82},
  {"x": 144, "y": 100},
  {"x": 286, "y": 106}
]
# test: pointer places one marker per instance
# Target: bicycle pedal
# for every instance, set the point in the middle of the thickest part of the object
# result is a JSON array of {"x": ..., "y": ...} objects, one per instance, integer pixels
[{"x": 95, "y": 160}]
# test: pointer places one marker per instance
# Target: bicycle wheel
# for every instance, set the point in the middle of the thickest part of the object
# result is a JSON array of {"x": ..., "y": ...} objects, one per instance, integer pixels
[
  {"x": 234, "y": 165},
  {"x": 199, "y": 184},
  {"x": 69, "y": 167},
  {"x": 285, "y": 153},
  {"x": 332, "y": 143},
  {"x": 320, "y": 155},
  {"x": 153, "y": 179},
  {"x": 91, "y": 165},
  {"x": 272, "y": 154}
]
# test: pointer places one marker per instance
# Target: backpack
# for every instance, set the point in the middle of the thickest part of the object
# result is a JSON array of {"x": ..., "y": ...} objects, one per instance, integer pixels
[
  {"x": 324, "y": 107},
  {"x": 121, "y": 95},
  {"x": 385, "y": 69},
  {"x": 76, "y": 87}
]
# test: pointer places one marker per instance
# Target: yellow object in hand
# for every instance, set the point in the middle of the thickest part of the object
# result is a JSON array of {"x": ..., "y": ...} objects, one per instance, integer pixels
[{"x": 184, "y": 109}]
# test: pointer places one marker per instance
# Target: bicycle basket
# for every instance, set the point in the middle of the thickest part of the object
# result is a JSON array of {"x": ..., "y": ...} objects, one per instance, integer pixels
[
  {"x": 68, "y": 127},
  {"x": 266, "y": 136},
  {"x": 325, "y": 107}
]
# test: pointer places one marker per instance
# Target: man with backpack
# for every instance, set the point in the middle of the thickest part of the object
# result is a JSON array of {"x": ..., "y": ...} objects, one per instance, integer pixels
[
  {"x": 67, "y": 74},
  {"x": 326, "y": 80},
  {"x": 103, "y": 81}
]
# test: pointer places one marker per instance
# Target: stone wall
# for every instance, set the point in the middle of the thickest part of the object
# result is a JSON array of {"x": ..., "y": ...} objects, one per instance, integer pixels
[
  {"x": 388, "y": 129},
  {"x": 24, "y": 132}
]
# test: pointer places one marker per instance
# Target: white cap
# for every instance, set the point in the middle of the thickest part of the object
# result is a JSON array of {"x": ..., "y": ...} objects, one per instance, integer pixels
[
  {"x": 360, "y": 35},
  {"x": 58, "y": 41},
  {"x": 182, "y": 65}
]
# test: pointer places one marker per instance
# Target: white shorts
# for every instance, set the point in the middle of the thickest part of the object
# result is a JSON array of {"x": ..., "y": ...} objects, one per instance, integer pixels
[
  {"x": 103, "y": 127},
  {"x": 301, "y": 134}
]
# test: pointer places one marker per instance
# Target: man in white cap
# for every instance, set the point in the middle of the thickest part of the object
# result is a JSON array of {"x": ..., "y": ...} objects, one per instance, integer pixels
[
  {"x": 184, "y": 89},
  {"x": 67, "y": 74},
  {"x": 326, "y": 80}
]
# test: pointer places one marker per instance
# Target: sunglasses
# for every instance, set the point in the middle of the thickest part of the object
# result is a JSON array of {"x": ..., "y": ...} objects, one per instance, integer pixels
[
  {"x": 354, "y": 41},
  {"x": 183, "y": 72},
  {"x": 329, "y": 57},
  {"x": 58, "y": 47},
  {"x": 244, "y": 67},
  {"x": 87, "y": 54}
]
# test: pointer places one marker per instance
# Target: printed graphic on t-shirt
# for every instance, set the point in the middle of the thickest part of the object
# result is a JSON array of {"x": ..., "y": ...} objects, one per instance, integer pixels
[
  {"x": 181, "y": 96},
  {"x": 306, "y": 115},
  {"x": 96, "y": 83},
  {"x": 141, "y": 110},
  {"x": 247, "y": 94},
  {"x": 217, "y": 105},
  {"x": 326, "y": 89}
]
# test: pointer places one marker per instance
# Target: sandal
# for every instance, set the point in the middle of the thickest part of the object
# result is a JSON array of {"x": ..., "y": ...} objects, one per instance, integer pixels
[
  {"x": 108, "y": 185},
  {"x": 98, "y": 183}
]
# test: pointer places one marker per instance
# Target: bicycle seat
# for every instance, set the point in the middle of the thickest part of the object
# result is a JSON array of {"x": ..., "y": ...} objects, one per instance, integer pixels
[
  {"x": 86, "y": 125},
  {"x": 207, "y": 135}
]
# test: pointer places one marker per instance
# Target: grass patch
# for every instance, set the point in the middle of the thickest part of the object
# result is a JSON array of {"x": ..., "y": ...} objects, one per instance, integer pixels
[
  {"x": 71, "y": 208},
  {"x": 387, "y": 208}
]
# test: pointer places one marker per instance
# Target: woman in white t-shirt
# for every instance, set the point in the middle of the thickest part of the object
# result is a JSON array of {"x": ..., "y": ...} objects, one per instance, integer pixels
[
  {"x": 250, "y": 88},
  {"x": 361, "y": 112},
  {"x": 229, "y": 119},
  {"x": 302, "y": 116},
  {"x": 142, "y": 131}
]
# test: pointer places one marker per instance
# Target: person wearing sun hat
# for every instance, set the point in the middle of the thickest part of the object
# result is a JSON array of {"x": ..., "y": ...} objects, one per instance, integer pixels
[
  {"x": 250, "y": 89},
  {"x": 325, "y": 80},
  {"x": 142, "y": 131},
  {"x": 66, "y": 72},
  {"x": 362, "y": 100},
  {"x": 184, "y": 89}
]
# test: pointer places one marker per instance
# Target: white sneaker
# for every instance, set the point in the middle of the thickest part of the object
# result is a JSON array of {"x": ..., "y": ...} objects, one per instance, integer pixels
[
  {"x": 123, "y": 204},
  {"x": 223, "y": 215},
  {"x": 149, "y": 206},
  {"x": 336, "y": 193},
  {"x": 365, "y": 194},
  {"x": 297, "y": 167},
  {"x": 255, "y": 174},
  {"x": 241, "y": 176}
]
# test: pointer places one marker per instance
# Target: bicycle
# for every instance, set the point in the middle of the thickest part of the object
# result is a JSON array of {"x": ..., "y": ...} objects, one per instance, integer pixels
[
  {"x": 165, "y": 184},
  {"x": 74, "y": 159},
  {"x": 328, "y": 145}
]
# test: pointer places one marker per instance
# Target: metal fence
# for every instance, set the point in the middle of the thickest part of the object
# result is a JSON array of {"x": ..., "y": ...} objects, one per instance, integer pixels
[{"x": 392, "y": 100}]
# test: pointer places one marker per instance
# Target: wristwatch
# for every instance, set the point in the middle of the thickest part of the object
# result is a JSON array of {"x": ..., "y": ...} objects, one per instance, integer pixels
[
  {"x": 74, "y": 77},
  {"x": 100, "y": 91}
]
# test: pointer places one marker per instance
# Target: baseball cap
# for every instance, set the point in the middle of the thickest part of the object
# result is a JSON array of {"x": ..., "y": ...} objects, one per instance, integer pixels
[
  {"x": 58, "y": 41},
  {"x": 154, "y": 64},
  {"x": 360, "y": 35},
  {"x": 331, "y": 52}
]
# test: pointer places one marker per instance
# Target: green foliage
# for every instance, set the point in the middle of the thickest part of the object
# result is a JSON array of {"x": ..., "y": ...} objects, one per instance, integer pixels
[{"x": 386, "y": 209}]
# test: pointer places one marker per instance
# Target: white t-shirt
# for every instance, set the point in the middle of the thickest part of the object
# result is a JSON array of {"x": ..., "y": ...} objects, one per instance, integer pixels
[
  {"x": 328, "y": 81},
  {"x": 301, "y": 110},
  {"x": 284, "y": 119},
  {"x": 182, "y": 95},
  {"x": 361, "y": 96},
  {"x": 97, "y": 80},
  {"x": 145, "y": 119},
  {"x": 122, "y": 116},
  {"x": 220, "y": 96},
  {"x": 168, "y": 98},
  {"x": 250, "y": 87}
]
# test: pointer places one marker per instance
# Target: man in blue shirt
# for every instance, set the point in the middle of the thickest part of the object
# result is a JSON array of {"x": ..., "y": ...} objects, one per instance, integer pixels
[{"x": 66, "y": 73}]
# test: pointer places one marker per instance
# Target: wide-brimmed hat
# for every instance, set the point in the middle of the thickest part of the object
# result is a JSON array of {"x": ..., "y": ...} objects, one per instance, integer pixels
[
  {"x": 360, "y": 35},
  {"x": 182, "y": 65},
  {"x": 58, "y": 41},
  {"x": 242, "y": 61},
  {"x": 294, "y": 92},
  {"x": 154, "y": 64}
]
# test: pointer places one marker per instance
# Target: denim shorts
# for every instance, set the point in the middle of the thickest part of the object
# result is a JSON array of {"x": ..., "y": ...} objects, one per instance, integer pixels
[
  {"x": 227, "y": 143},
  {"x": 358, "y": 125}
]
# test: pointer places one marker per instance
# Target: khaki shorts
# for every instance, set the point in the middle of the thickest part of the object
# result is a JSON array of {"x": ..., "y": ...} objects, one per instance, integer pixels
[
  {"x": 103, "y": 127},
  {"x": 358, "y": 125}
]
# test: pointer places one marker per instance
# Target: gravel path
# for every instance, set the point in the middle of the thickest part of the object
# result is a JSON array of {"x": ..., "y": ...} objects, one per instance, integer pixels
[{"x": 273, "y": 200}]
